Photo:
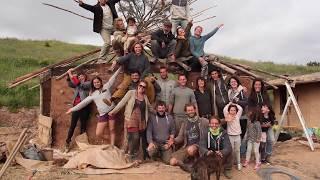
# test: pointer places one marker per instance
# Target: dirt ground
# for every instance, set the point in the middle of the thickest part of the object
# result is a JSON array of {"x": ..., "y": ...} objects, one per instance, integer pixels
[{"x": 291, "y": 156}]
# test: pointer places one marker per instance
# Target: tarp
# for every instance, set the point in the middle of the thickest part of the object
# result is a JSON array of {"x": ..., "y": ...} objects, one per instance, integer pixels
[{"x": 103, "y": 159}]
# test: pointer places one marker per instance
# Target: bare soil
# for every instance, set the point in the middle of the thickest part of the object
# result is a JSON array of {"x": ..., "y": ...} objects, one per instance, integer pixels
[{"x": 290, "y": 155}]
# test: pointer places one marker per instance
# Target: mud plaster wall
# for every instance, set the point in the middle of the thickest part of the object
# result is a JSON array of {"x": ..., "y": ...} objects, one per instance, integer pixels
[
  {"x": 308, "y": 98},
  {"x": 61, "y": 97}
]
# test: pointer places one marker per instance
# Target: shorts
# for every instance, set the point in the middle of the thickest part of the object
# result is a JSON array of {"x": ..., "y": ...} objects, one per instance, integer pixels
[{"x": 105, "y": 118}]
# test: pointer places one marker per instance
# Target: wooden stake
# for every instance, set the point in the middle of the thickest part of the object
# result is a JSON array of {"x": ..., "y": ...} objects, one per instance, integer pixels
[{"x": 67, "y": 11}]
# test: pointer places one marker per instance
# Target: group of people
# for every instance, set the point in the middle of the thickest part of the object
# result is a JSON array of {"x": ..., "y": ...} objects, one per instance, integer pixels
[{"x": 165, "y": 118}]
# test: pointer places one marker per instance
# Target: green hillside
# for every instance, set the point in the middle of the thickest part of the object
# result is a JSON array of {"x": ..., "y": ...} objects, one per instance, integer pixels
[{"x": 19, "y": 57}]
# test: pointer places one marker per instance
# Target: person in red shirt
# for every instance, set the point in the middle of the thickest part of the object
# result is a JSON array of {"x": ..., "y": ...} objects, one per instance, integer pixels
[{"x": 81, "y": 87}]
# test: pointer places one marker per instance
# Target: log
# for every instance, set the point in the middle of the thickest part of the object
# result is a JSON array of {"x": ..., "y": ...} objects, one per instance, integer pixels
[
  {"x": 22, "y": 138},
  {"x": 77, "y": 67},
  {"x": 220, "y": 65},
  {"x": 36, "y": 73}
]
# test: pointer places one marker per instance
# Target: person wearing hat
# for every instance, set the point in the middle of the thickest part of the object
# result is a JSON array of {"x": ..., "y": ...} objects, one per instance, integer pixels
[{"x": 163, "y": 43}]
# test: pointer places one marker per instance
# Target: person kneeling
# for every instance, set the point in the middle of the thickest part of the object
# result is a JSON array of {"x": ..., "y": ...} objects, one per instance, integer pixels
[
  {"x": 193, "y": 133},
  {"x": 160, "y": 134},
  {"x": 219, "y": 143}
]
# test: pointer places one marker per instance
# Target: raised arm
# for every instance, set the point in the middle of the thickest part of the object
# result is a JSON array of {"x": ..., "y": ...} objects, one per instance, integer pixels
[
  {"x": 86, "y": 6},
  {"x": 112, "y": 80},
  {"x": 209, "y": 35},
  {"x": 239, "y": 113}
]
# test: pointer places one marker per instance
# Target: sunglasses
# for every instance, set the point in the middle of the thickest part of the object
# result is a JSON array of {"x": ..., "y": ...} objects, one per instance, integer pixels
[{"x": 142, "y": 86}]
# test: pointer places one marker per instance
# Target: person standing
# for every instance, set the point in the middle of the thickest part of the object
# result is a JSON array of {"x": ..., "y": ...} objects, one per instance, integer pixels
[
  {"x": 180, "y": 13},
  {"x": 254, "y": 138},
  {"x": 203, "y": 98},
  {"x": 218, "y": 92},
  {"x": 137, "y": 107},
  {"x": 81, "y": 87},
  {"x": 166, "y": 86},
  {"x": 104, "y": 14},
  {"x": 100, "y": 95},
  {"x": 232, "y": 113},
  {"x": 160, "y": 133},
  {"x": 181, "y": 96},
  {"x": 258, "y": 95}
]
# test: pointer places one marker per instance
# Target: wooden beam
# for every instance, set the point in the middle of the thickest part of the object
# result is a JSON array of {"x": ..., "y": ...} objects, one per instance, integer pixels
[
  {"x": 36, "y": 73},
  {"x": 77, "y": 67},
  {"x": 220, "y": 65}
]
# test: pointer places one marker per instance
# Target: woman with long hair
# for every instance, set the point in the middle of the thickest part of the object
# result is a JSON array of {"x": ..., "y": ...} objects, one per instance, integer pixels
[
  {"x": 203, "y": 98},
  {"x": 100, "y": 95},
  {"x": 135, "y": 119},
  {"x": 258, "y": 95}
]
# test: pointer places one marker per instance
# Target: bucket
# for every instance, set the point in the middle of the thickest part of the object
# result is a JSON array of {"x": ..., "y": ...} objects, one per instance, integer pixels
[{"x": 48, "y": 154}]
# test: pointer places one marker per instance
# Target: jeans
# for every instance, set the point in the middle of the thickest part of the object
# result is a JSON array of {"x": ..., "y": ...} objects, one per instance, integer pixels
[
  {"x": 270, "y": 140},
  {"x": 134, "y": 144},
  {"x": 159, "y": 150},
  {"x": 255, "y": 147},
  {"x": 178, "y": 22},
  {"x": 159, "y": 52}
]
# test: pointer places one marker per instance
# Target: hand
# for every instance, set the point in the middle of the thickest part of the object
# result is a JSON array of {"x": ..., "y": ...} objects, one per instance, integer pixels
[
  {"x": 219, "y": 154},
  {"x": 220, "y": 25},
  {"x": 152, "y": 79},
  {"x": 151, "y": 146},
  {"x": 163, "y": 45},
  {"x": 70, "y": 70},
  {"x": 170, "y": 142},
  {"x": 166, "y": 146},
  {"x": 78, "y": 1},
  {"x": 209, "y": 152},
  {"x": 110, "y": 114},
  {"x": 69, "y": 111}
]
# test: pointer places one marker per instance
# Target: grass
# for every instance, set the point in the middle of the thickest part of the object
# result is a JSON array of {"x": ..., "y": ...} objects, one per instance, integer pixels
[{"x": 19, "y": 57}]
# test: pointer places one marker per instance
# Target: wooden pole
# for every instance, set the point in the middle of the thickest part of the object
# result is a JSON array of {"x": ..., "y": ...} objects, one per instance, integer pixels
[
  {"x": 36, "y": 73},
  {"x": 211, "y": 17},
  {"x": 67, "y": 11},
  {"x": 23, "y": 136},
  {"x": 77, "y": 67}
]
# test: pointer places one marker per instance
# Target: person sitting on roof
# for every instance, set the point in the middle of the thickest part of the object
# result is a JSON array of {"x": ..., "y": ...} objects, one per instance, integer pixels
[
  {"x": 104, "y": 14},
  {"x": 197, "y": 43},
  {"x": 130, "y": 37},
  {"x": 136, "y": 60},
  {"x": 183, "y": 45},
  {"x": 163, "y": 43},
  {"x": 118, "y": 34}
]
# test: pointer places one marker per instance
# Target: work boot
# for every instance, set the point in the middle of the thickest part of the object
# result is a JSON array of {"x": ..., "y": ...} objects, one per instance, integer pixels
[
  {"x": 227, "y": 173},
  {"x": 67, "y": 147}
]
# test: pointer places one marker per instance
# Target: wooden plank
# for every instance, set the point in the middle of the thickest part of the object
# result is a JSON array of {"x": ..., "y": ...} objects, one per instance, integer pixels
[{"x": 45, "y": 121}]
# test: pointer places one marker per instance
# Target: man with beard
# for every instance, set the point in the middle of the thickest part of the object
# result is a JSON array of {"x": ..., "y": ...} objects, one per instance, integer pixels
[
  {"x": 166, "y": 86},
  {"x": 181, "y": 96},
  {"x": 160, "y": 134},
  {"x": 193, "y": 135}
]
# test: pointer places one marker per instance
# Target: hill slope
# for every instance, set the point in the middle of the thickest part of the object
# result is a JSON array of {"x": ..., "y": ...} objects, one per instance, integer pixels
[{"x": 18, "y": 57}]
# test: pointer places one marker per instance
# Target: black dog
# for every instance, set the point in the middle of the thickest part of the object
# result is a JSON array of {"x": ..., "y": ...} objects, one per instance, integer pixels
[{"x": 204, "y": 166}]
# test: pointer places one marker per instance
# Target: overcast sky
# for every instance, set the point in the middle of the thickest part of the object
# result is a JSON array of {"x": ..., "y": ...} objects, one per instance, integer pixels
[{"x": 282, "y": 31}]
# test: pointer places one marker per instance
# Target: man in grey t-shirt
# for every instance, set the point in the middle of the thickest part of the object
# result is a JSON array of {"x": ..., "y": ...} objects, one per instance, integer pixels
[
  {"x": 166, "y": 86},
  {"x": 181, "y": 96}
]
